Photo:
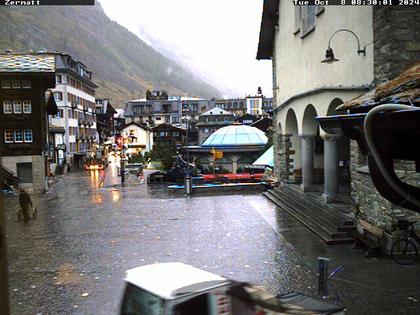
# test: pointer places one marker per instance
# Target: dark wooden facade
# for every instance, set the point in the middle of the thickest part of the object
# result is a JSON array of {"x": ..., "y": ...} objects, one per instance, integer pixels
[
  {"x": 34, "y": 121},
  {"x": 169, "y": 134},
  {"x": 105, "y": 121}
]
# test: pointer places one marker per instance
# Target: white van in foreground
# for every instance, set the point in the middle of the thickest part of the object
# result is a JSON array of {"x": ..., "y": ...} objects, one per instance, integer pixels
[{"x": 179, "y": 289}]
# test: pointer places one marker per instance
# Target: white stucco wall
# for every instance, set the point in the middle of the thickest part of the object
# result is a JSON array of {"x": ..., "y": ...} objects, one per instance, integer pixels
[
  {"x": 143, "y": 136},
  {"x": 298, "y": 60},
  {"x": 321, "y": 101},
  {"x": 298, "y": 68}
]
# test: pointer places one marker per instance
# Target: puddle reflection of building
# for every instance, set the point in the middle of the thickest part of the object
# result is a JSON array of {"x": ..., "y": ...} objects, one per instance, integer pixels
[
  {"x": 115, "y": 195},
  {"x": 94, "y": 178},
  {"x": 96, "y": 198}
]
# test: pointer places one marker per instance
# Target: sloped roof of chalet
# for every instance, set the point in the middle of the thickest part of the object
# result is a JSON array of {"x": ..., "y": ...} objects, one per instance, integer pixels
[
  {"x": 168, "y": 126},
  {"x": 247, "y": 116},
  {"x": 267, "y": 29},
  {"x": 107, "y": 105},
  {"x": 28, "y": 63},
  {"x": 405, "y": 89},
  {"x": 216, "y": 111},
  {"x": 143, "y": 126},
  {"x": 263, "y": 123}
]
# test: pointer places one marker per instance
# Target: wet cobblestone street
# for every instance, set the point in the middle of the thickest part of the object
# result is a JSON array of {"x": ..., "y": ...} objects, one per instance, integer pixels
[
  {"x": 85, "y": 238},
  {"x": 72, "y": 259}
]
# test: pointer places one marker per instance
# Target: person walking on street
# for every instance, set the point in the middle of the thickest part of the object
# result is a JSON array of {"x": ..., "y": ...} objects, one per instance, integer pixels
[{"x": 25, "y": 201}]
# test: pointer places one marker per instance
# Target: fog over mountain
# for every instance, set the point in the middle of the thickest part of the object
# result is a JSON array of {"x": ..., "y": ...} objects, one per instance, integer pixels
[
  {"x": 124, "y": 66},
  {"x": 179, "y": 55}
]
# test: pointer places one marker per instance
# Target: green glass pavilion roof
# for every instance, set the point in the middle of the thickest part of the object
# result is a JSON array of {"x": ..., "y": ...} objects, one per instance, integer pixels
[
  {"x": 236, "y": 135},
  {"x": 27, "y": 63}
]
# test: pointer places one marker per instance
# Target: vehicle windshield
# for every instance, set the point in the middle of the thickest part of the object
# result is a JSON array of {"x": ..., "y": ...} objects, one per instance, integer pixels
[{"x": 139, "y": 302}]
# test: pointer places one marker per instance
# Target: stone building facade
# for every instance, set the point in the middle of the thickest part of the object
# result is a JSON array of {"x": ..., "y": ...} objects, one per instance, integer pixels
[
  {"x": 396, "y": 36},
  {"x": 396, "y": 47},
  {"x": 390, "y": 36}
]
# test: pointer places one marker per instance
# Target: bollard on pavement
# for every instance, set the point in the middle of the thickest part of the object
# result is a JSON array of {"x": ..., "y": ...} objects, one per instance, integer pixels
[
  {"x": 188, "y": 185},
  {"x": 323, "y": 276}
]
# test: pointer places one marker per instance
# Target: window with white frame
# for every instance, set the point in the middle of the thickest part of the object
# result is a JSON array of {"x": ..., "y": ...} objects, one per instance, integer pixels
[
  {"x": 7, "y": 107},
  {"x": 6, "y": 84},
  {"x": 26, "y": 84},
  {"x": 18, "y": 136},
  {"x": 58, "y": 78},
  {"x": 308, "y": 17},
  {"x": 17, "y": 107},
  {"x": 305, "y": 18},
  {"x": 27, "y": 107},
  {"x": 58, "y": 96},
  {"x": 28, "y": 136},
  {"x": 16, "y": 84},
  {"x": 8, "y": 136}
]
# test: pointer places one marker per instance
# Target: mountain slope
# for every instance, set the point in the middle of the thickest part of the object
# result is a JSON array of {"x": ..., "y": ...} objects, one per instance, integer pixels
[{"x": 123, "y": 65}]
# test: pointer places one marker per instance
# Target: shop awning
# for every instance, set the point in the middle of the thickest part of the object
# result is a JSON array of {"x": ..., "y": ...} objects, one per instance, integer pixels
[{"x": 266, "y": 159}]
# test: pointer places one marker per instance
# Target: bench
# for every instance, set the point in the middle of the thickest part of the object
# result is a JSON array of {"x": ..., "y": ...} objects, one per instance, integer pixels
[{"x": 372, "y": 243}]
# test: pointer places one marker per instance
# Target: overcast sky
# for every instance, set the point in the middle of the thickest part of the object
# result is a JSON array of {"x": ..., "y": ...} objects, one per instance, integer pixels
[{"x": 220, "y": 37}]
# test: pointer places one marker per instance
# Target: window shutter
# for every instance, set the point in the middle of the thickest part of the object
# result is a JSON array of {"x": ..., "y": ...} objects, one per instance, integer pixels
[
  {"x": 320, "y": 9},
  {"x": 298, "y": 16}
]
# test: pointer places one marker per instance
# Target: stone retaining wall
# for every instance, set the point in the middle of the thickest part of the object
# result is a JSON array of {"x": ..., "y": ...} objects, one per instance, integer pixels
[{"x": 369, "y": 205}]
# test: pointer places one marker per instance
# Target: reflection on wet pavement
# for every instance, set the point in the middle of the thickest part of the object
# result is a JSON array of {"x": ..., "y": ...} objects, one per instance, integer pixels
[
  {"x": 86, "y": 237},
  {"x": 72, "y": 259}
]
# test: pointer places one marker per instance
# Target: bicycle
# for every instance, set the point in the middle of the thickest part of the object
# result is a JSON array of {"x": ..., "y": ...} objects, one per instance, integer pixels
[{"x": 405, "y": 250}]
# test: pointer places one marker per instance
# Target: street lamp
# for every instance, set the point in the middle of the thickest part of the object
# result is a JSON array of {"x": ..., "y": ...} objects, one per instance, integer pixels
[
  {"x": 187, "y": 177},
  {"x": 122, "y": 160},
  {"x": 329, "y": 54}
]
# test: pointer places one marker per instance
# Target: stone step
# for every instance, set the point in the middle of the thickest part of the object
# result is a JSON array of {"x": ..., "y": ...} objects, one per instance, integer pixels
[
  {"x": 324, "y": 236},
  {"x": 312, "y": 201},
  {"x": 313, "y": 209},
  {"x": 323, "y": 222},
  {"x": 325, "y": 231}
]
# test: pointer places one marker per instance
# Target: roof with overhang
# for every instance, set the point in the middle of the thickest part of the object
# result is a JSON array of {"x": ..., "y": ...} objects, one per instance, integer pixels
[
  {"x": 27, "y": 63},
  {"x": 405, "y": 89},
  {"x": 267, "y": 29}
]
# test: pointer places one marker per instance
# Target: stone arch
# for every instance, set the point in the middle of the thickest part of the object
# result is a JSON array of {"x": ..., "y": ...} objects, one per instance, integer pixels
[
  {"x": 309, "y": 124},
  {"x": 291, "y": 122},
  {"x": 293, "y": 148},
  {"x": 333, "y": 105}
]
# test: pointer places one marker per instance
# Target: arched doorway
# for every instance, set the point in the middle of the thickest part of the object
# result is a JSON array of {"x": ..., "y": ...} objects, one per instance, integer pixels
[
  {"x": 337, "y": 180},
  {"x": 292, "y": 149},
  {"x": 312, "y": 160}
]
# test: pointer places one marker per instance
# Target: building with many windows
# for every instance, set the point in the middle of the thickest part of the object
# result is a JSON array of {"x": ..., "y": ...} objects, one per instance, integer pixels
[
  {"x": 212, "y": 120},
  {"x": 25, "y": 106},
  {"x": 167, "y": 134},
  {"x": 75, "y": 97},
  {"x": 160, "y": 108},
  {"x": 105, "y": 121},
  {"x": 257, "y": 105},
  {"x": 236, "y": 106}
]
